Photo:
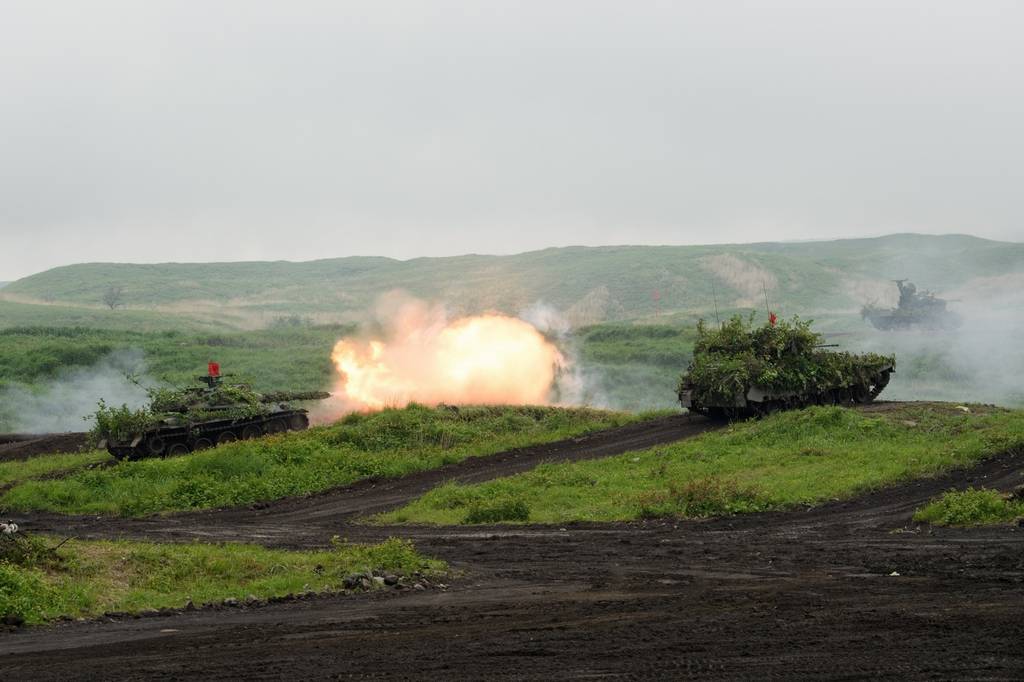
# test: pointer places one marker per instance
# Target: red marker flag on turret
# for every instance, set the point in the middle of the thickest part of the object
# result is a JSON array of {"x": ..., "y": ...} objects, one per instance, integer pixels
[
  {"x": 213, "y": 368},
  {"x": 772, "y": 319}
]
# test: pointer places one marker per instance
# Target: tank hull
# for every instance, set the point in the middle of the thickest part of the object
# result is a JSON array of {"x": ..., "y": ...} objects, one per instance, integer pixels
[
  {"x": 758, "y": 400},
  {"x": 179, "y": 439}
]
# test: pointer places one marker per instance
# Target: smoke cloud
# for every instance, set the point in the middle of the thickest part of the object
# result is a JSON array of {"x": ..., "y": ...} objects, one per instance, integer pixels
[
  {"x": 64, "y": 403},
  {"x": 982, "y": 361}
]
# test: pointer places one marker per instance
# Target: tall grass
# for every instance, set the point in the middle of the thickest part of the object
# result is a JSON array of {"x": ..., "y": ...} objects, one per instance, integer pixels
[
  {"x": 971, "y": 507},
  {"x": 384, "y": 444},
  {"x": 794, "y": 458},
  {"x": 88, "y": 578}
]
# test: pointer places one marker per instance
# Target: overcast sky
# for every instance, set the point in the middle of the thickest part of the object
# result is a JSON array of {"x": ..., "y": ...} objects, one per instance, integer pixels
[{"x": 153, "y": 131}]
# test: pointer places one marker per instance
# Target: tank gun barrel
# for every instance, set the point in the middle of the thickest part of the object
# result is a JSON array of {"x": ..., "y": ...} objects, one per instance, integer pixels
[{"x": 284, "y": 396}]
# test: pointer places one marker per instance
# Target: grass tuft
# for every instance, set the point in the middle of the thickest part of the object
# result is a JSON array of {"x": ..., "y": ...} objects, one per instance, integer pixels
[
  {"x": 496, "y": 511},
  {"x": 89, "y": 578},
  {"x": 971, "y": 507}
]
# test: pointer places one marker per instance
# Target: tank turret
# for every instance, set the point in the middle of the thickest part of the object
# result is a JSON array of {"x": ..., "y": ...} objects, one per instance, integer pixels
[
  {"x": 741, "y": 371},
  {"x": 178, "y": 421},
  {"x": 922, "y": 310}
]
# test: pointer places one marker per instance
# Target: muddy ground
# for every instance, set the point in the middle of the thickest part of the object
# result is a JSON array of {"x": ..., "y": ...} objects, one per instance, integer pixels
[
  {"x": 804, "y": 594},
  {"x": 16, "y": 446}
]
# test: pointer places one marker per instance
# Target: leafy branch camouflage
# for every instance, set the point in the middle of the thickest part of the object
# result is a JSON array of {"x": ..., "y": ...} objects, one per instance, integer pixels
[{"x": 784, "y": 362}]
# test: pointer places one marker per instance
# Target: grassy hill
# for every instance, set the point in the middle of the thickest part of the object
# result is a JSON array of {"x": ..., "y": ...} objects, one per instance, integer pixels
[
  {"x": 274, "y": 323},
  {"x": 589, "y": 284}
]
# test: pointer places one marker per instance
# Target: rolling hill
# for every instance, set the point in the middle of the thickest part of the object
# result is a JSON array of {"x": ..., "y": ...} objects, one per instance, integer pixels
[{"x": 588, "y": 284}]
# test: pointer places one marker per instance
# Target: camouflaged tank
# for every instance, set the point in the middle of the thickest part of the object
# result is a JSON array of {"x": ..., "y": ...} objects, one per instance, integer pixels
[
  {"x": 915, "y": 310},
  {"x": 198, "y": 417},
  {"x": 743, "y": 371}
]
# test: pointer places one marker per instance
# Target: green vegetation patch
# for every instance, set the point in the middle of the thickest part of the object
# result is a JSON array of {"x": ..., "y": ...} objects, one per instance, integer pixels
[
  {"x": 661, "y": 345},
  {"x": 793, "y": 458},
  {"x": 21, "y": 470},
  {"x": 971, "y": 507},
  {"x": 89, "y": 578},
  {"x": 383, "y": 444},
  {"x": 282, "y": 357}
]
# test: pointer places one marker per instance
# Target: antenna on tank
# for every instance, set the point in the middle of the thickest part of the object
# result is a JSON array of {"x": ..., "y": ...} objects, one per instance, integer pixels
[{"x": 714, "y": 295}]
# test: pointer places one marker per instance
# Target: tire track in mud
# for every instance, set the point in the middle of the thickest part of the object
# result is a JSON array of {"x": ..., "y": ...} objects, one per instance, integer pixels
[
  {"x": 740, "y": 598},
  {"x": 849, "y": 589}
]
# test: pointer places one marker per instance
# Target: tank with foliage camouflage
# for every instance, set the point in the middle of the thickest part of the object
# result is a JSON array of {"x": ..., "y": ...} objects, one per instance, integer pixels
[
  {"x": 179, "y": 421},
  {"x": 740, "y": 370},
  {"x": 915, "y": 310}
]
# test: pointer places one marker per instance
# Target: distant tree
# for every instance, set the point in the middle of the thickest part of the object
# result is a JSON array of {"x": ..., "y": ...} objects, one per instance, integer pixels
[{"x": 113, "y": 296}]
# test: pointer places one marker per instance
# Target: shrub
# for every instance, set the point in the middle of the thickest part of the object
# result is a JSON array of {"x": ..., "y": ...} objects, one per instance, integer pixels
[
  {"x": 703, "y": 498},
  {"x": 971, "y": 507},
  {"x": 497, "y": 510},
  {"x": 22, "y": 549},
  {"x": 22, "y": 593}
]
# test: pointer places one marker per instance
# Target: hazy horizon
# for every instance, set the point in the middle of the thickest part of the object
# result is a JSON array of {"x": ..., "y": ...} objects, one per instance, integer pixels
[
  {"x": 516, "y": 253},
  {"x": 187, "y": 132}
]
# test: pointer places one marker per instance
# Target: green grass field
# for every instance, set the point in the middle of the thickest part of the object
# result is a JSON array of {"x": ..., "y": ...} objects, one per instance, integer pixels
[
  {"x": 384, "y": 444},
  {"x": 285, "y": 358},
  {"x": 790, "y": 459},
  {"x": 20, "y": 470},
  {"x": 17, "y": 314},
  {"x": 89, "y": 578}
]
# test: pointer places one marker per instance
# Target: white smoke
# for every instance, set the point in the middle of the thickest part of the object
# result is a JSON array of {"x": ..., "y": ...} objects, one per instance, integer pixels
[
  {"x": 575, "y": 384},
  {"x": 65, "y": 402},
  {"x": 981, "y": 361}
]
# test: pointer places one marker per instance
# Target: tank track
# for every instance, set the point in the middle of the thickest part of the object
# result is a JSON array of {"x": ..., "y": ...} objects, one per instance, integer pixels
[{"x": 171, "y": 441}]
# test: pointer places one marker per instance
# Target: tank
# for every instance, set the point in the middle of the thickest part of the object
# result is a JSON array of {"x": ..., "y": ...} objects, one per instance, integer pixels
[
  {"x": 915, "y": 310},
  {"x": 179, "y": 421},
  {"x": 741, "y": 371}
]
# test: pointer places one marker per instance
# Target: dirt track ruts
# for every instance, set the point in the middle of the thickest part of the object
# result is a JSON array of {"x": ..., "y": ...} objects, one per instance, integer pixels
[
  {"x": 17, "y": 446},
  {"x": 305, "y": 520},
  {"x": 847, "y": 590}
]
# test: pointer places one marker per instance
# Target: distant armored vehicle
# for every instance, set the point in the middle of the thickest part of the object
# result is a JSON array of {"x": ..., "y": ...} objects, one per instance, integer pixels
[
  {"x": 741, "y": 371},
  {"x": 921, "y": 310},
  {"x": 197, "y": 417}
]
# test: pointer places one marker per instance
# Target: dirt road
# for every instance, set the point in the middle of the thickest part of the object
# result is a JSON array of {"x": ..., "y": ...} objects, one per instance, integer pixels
[
  {"x": 847, "y": 590},
  {"x": 15, "y": 446}
]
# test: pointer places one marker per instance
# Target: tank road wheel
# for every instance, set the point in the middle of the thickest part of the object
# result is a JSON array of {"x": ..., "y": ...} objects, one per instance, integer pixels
[
  {"x": 277, "y": 426},
  {"x": 251, "y": 431},
  {"x": 226, "y": 437},
  {"x": 155, "y": 445},
  {"x": 298, "y": 422},
  {"x": 202, "y": 444},
  {"x": 177, "y": 449}
]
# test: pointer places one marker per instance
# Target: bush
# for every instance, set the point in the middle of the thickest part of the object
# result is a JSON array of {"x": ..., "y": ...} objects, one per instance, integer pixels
[
  {"x": 971, "y": 507},
  {"x": 22, "y": 593},
  {"x": 21, "y": 549},
  {"x": 703, "y": 498},
  {"x": 496, "y": 511}
]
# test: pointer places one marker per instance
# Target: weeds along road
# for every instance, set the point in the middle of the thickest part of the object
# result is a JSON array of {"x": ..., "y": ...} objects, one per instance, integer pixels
[
  {"x": 312, "y": 520},
  {"x": 845, "y": 590}
]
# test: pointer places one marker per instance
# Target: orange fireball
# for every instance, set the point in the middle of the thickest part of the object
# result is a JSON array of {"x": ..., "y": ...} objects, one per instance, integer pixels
[{"x": 485, "y": 359}]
